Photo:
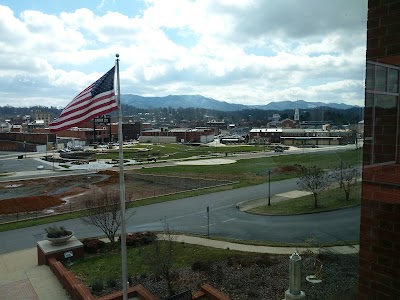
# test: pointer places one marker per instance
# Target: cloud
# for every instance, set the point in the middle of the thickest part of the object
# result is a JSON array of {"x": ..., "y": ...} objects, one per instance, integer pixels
[{"x": 251, "y": 51}]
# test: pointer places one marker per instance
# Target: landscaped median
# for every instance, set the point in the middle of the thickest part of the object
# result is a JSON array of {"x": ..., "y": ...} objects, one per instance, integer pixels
[{"x": 302, "y": 203}]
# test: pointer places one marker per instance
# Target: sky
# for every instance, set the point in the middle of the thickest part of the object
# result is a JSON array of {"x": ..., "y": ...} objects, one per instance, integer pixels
[{"x": 240, "y": 51}]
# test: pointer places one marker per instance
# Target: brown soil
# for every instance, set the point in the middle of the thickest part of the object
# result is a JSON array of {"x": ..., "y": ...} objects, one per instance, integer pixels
[
  {"x": 40, "y": 198},
  {"x": 63, "y": 194},
  {"x": 27, "y": 204}
]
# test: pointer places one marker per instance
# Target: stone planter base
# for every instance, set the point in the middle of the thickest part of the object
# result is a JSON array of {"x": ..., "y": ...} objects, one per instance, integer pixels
[{"x": 47, "y": 250}]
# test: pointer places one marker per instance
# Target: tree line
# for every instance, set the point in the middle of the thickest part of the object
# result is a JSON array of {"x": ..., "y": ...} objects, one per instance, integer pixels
[{"x": 253, "y": 117}]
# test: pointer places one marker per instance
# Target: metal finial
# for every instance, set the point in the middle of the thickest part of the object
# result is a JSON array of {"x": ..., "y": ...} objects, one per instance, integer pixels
[{"x": 117, "y": 55}]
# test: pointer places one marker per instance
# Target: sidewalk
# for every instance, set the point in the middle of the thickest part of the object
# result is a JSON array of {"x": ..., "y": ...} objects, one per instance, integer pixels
[{"x": 22, "y": 279}]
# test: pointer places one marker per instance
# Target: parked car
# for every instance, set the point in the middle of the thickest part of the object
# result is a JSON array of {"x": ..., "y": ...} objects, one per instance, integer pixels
[{"x": 279, "y": 149}]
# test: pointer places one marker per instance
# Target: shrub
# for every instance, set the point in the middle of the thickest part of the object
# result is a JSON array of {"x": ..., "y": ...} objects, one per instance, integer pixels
[
  {"x": 57, "y": 232},
  {"x": 92, "y": 245},
  {"x": 111, "y": 282},
  {"x": 97, "y": 285},
  {"x": 139, "y": 239},
  {"x": 201, "y": 266},
  {"x": 264, "y": 260},
  {"x": 240, "y": 261}
]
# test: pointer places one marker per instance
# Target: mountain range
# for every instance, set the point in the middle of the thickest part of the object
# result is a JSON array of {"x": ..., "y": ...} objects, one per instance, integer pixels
[{"x": 198, "y": 101}]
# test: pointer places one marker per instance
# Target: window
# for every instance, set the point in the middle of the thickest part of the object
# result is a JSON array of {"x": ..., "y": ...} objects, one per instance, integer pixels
[{"x": 381, "y": 113}]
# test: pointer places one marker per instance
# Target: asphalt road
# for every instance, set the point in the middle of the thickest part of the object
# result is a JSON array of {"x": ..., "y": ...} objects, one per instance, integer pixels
[{"x": 189, "y": 215}]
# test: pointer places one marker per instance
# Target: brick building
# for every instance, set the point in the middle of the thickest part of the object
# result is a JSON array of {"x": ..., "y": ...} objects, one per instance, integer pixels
[
  {"x": 301, "y": 137},
  {"x": 43, "y": 116},
  {"x": 379, "y": 270},
  {"x": 178, "y": 135}
]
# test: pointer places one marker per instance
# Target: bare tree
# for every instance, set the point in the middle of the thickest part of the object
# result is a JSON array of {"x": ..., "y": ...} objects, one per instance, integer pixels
[
  {"x": 347, "y": 176},
  {"x": 160, "y": 255},
  {"x": 103, "y": 211},
  {"x": 312, "y": 179}
]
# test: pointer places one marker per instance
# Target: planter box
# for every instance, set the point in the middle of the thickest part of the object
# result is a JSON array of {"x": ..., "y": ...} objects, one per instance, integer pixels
[{"x": 47, "y": 250}]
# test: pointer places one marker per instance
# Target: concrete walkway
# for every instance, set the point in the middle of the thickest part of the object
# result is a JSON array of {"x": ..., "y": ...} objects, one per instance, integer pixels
[{"x": 22, "y": 279}]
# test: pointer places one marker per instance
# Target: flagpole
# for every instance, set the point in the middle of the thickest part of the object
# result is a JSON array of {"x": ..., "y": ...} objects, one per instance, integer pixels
[{"x": 122, "y": 189}]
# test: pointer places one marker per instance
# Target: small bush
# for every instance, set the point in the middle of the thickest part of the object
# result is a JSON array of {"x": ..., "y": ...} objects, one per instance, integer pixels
[
  {"x": 111, "y": 282},
  {"x": 92, "y": 245},
  {"x": 201, "y": 266},
  {"x": 57, "y": 232},
  {"x": 264, "y": 260},
  {"x": 139, "y": 239},
  {"x": 97, "y": 285}
]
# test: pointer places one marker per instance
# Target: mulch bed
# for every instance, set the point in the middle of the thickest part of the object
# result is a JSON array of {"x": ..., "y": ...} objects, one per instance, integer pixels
[{"x": 252, "y": 278}]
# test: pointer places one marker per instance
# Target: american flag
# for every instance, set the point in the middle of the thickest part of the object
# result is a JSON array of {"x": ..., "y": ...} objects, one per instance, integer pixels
[{"x": 96, "y": 100}]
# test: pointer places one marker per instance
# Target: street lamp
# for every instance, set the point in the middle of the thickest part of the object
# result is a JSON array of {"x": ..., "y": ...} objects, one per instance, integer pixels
[{"x": 269, "y": 187}]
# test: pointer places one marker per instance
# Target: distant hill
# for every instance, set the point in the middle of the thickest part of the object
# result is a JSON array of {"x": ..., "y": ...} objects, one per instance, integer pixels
[
  {"x": 198, "y": 101},
  {"x": 176, "y": 101},
  {"x": 300, "y": 104}
]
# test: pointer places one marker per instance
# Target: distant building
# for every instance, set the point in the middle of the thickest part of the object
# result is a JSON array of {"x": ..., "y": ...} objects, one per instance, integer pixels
[
  {"x": 43, "y": 116},
  {"x": 288, "y": 123},
  {"x": 5, "y": 127},
  {"x": 265, "y": 135},
  {"x": 301, "y": 137},
  {"x": 316, "y": 124},
  {"x": 218, "y": 126},
  {"x": 296, "y": 115},
  {"x": 177, "y": 135}
]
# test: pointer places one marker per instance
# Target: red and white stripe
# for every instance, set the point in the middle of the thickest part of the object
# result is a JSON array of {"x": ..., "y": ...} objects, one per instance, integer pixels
[{"x": 84, "y": 108}]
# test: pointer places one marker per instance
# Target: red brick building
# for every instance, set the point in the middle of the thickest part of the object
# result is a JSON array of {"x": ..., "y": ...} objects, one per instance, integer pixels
[{"x": 379, "y": 271}]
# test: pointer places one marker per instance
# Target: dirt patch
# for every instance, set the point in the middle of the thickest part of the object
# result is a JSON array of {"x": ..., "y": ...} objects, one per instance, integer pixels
[
  {"x": 28, "y": 204},
  {"x": 40, "y": 194},
  {"x": 286, "y": 169},
  {"x": 64, "y": 194}
]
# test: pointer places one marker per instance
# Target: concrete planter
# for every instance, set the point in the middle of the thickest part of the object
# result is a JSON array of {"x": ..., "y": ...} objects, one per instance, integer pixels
[{"x": 61, "y": 240}]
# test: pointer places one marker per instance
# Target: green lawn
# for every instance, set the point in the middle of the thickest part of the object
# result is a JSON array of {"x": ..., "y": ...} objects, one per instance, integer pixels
[
  {"x": 254, "y": 171},
  {"x": 328, "y": 200},
  {"x": 177, "y": 151},
  {"x": 108, "y": 264}
]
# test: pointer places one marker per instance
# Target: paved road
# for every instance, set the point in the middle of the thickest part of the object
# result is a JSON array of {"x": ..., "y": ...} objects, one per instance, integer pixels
[{"x": 189, "y": 215}]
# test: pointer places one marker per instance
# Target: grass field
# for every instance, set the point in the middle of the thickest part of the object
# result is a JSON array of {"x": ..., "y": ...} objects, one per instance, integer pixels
[
  {"x": 328, "y": 200},
  {"x": 254, "y": 171},
  {"x": 178, "y": 151},
  {"x": 108, "y": 264}
]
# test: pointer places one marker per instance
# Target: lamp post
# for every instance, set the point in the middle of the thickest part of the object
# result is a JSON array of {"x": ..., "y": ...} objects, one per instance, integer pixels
[
  {"x": 269, "y": 187},
  {"x": 53, "y": 156},
  {"x": 25, "y": 148},
  {"x": 208, "y": 221}
]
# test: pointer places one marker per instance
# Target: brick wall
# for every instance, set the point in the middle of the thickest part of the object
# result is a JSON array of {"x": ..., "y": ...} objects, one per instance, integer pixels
[
  {"x": 383, "y": 35},
  {"x": 379, "y": 271}
]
